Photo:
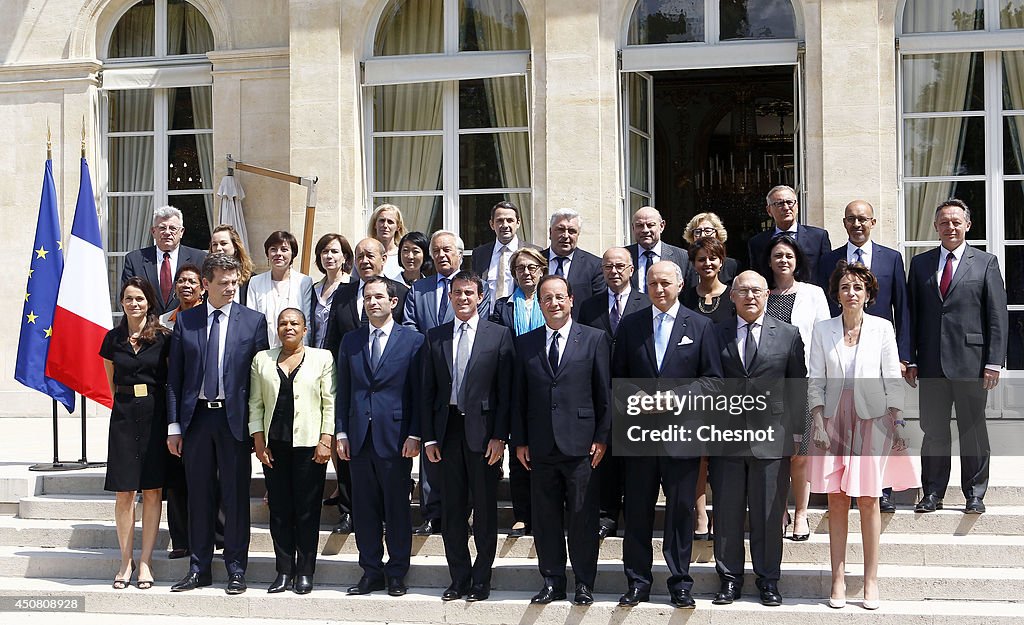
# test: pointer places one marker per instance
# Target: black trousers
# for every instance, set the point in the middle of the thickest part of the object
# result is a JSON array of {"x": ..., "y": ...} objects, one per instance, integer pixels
[
  {"x": 294, "y": 486},
  {"x": 678, "y": 478},
  {"x": 214, "y": 458},
  {"x": 519, "y": 486},
  {"x": 468, "y": 484},
  {"x": 344, "y": 487},
  {"x": 380, "y": 494},
  {"x": 760, "y": 486},
  {"x": 176, "y": 494},
  {"x": 938, "y": 397},
  {"x": 610, "y": 482},
  {"x": 564, "y": 493}
]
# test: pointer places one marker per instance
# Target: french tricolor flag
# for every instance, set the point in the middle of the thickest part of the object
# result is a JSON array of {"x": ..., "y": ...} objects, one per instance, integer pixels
[{"x": 82, "y": 317}]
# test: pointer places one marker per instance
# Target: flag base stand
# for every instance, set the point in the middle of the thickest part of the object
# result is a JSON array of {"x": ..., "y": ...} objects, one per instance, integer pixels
[{"x": 57, "y": 466}]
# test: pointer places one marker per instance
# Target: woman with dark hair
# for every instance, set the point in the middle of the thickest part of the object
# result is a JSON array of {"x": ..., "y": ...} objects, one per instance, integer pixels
[
  {"x": 188, "y": 287},
  {"x": 334, "y": 257},
  {"x": 281, "y": 287},
  {"x": 414, "y": 256},
  {"x": 709, "y": 296},
  {"x": 226, "y": 240},
  {"x": 135, "y": 357},
  {"x": 802, "y": 304}
]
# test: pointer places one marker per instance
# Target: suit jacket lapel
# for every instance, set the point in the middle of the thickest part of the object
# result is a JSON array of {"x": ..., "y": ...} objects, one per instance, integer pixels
[
  {"x": 151, "y": 267},
  {"x": 678, "y": 331},
  {"x": 652, "y": 353},
  {"x": 837, "y": 336},
  {"x": 962, "y": 268},
  {"x": 447, "y": 349},
  {"x": 569, "y": 349},
  {"x": 396, "y": 331},
  {"x": 729, "y": 331},
  {"x": 764, "y": 345}
]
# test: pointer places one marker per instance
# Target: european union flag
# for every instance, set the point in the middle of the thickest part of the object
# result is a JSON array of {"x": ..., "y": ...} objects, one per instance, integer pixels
[{"x": 41, "y": 300}]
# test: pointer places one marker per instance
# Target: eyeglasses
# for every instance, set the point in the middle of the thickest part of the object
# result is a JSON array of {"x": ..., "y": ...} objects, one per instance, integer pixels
[
  {"x": 750, "y": 291},
  {"x": 187, "y": 281},
  {"x": 527, "y": 268},
  {"x": 782, "y": 203},
  {"x": 857, "y": 219},
  {"x": 555, "y": 298},
  {"x": 170, "y": 229},
  {"x": 704, "y": 232},
  {"x": 619, "y": 267}
]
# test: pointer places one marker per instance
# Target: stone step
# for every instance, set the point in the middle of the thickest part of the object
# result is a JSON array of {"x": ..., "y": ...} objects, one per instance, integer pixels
[
  {"x": 328, "y": 603},
  {"x": 910, "y": 549},
  {"x": 999, "y": 520},
  {"x": 897, "y": 582}
]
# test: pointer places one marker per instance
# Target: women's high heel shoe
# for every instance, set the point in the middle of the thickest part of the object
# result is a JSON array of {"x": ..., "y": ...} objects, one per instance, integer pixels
[
  {"x": 872, "y": 604},
  {"x": 836, "y": 603},
  {"x": 122, "y": 583}
]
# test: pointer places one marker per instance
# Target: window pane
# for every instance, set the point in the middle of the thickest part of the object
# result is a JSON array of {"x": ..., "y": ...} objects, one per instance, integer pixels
[
  {"x": 1013, "y": 145},
  {"x": 399, "y": 108},
  {"x": 757, "y": 19},
  {"x": 190, "y": 108},
  {"x": 1015, "y": 345},
  {"x": 133, "y": 35},
  {"x": 944, "y": 146},
  {"x": 638, "y": 162},
  {"x": 1013, "y": 81},
  {"x": 407, "y": 163},
  {"x": 411, "y": 27},
  {"x": 131, "y": 163},
  {"x": 130, "y": 110},
  {"x": 1011, "y": 15},
  {"x": 940, "y": 83},
  {"x": 638, "y": 94},
  {"x": 1014, "y": 273},
  {"x": 422, "y": 213},
  {"x": 666, "y": 21},
  {"x": 475, "y": 212},
  {"x": 129, "y": 221},
  {"x": 492, "y": 103},
  {"x": 187, "y": 29},
  {"x": 115, "y": 265},
  {"x": 189, "y": 162},
  {"x": 923, "y": 197},
  {"x": 636, "y": 202},
  {"x": 494, "y": 160},
  {"x": 489, "y": 25},
  {"x": 1013, "y": 209},
  {"x": 194, "y": 208},
  {"x": 930, "y": 16}
]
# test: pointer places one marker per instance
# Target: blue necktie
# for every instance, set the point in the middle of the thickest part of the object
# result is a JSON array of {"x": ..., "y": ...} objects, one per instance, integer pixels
[
  {"x": 859, "y": 253},
  {"x": 442, "y": 309},
  {"x": 649, "y": 256},
  {"x": 211, "y": 379},
  {"x": 661, "y": 336},
  {"x": 375, "y": 349},
  {"x": 559, "y": 271}
]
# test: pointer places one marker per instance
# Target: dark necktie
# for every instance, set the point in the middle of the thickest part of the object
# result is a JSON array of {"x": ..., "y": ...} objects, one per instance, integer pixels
[
  {"x": 375, "y": 349},
  {"x": 947, "y": 275},
  {"x": 442, "y": 309},
  {"x": 559, "y": 270},
  {"x": 859, "y": 253},
  {"x": 165, "y": 278},
  {"x": 614, "y": 316},
  {"x": 649, "y": 255},
  {"x": 553, "y": 353},
  {"x": 749, "y": 348},
  {"x": 211, "y": 377},
  {"x": 363, "y": 320}
]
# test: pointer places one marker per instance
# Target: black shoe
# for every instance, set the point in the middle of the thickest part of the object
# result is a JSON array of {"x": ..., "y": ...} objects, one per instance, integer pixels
[
  {"x": 770, "y": 595},
  {"x": 396, "y": 586},
  {"x": 303, "y": 584},
  {"x": 430, "y": 526},
  {"x": 191, "y": 581},
  {"x": 177, "y": 554},
  {"x": 366, "y": 586},
  {"x": 729, "y": 592},
  {"x": 453, "y": 592},
  {"x": 929, "y": 503},
  {"x": 332, "y": 501},
  {"x": 479, "y": 592},
  {"x": 704, "y": 536},
  {"x": 634, "y": 596},
  {"x": 606, "y": 527},
  {"x": 282, "y": 582},
  {"x": 885, "y": 504},
  {"x": 218, "y": 545},
  {"x": 680, "y": 598},
  {"x": 584, "y": 595},
  {"x": 519, "y": 532},
  {"x": 799, "y": 538},
  {"x": 548, "y": 594},
  {"x": 974, "y": 506},
  {"x": 236, "y": 584},
  {"x": 344, "y": 525}
]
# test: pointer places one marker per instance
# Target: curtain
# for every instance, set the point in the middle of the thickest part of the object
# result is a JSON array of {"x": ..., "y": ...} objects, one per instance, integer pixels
[{"x": 937, "y": 16}]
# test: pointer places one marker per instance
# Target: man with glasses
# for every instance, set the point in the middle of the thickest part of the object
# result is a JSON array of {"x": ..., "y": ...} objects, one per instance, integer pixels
[
  {"x": 159, "y": 263},
  {"x": 784, "y": 209},
  {"x": 649, "y": 248},
  {"x": 581, "y": 268}
]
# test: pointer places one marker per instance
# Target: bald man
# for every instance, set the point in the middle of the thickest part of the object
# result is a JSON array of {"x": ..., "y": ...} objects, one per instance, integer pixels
[{"x": 648, "y": 226}]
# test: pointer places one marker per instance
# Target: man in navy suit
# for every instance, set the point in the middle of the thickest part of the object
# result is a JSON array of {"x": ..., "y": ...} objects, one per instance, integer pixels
[
  {"x": 377, "y": 425},
  {"x": 491, "y": 260},
  {"x": 560, "y": 425},
  {"x": 581, "y": 268},
  {"x": 785, "y": 210},
  {"x": 958, "y": 347},
  {"x": 648, "y": 225},
  {"x": 427, "y": 306},
  {"x": 212, "y": 348},
  {"x": 667, "y": 341},
  {"x": 159, "y": 263},
  {"x": 467, "y": 394}
]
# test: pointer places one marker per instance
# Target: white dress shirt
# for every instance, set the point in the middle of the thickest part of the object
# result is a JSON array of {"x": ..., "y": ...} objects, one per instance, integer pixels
[
  {"x": 672, "y": 314},
  {"x": 563, "y": 336},
  {"x": 641, "y": 261},
  {"x": 492, "y": 268},
  {"x": 865, "y": 250},
  {"x": 174, "y": 266},
  {"x": 622, "y": 299},
  {"x": 553, "y": 264},
  {"x": 742, "y": 330},
  {"x": 174, "y": 429},
  {"x": 958, "y": 254}
]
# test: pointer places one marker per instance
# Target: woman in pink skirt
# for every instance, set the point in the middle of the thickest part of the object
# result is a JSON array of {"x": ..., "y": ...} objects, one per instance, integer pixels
[{"x": 856, "y": 398}]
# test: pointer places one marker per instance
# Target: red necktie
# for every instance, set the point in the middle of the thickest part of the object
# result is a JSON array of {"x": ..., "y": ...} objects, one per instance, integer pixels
[
  {"x": 947, "y": 276},
  {"x": 165, "y": 277}
]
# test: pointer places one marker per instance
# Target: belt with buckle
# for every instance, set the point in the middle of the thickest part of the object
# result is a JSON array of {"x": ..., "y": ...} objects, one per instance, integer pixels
[
  {"x": 135, "y": 390},
  {"x": 213, "y": 404}
]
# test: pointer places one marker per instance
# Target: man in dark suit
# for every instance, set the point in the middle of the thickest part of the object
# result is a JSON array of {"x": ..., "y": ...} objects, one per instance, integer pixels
[
  {"x": 648, "y": 226},
  {"x": 761, "y": 357},
  {"x": 785, "y": 210},
  {"x": 159, "y": 263},
  {"x": 427, "y": 306},
  {"x": 491, "y": 260},
  {"x": 958, "y": 346},
  {"x": 560, "y": 425},
  {"x": 581, "y": 268},
  {"x": 887, "y": 266},
  {"x": 669, "y": 341},
  {"x": 347, "y": 314},
  {"x": 212, "y": 348},
  {"x": 377, "y": 425},
  {"x": 604, "y": 311},
  {"x": 467, "y": 394}
]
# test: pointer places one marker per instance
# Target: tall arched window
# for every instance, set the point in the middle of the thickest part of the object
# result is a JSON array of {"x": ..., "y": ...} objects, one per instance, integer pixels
[
  {"x": 158, "y": 125},
  {"x": 962, "y": 108},
  {"x": 447, "y": 112}
]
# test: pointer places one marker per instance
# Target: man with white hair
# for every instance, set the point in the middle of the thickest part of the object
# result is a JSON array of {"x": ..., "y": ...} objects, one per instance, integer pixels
[
  {"x": 158, "y": 263},
  {"x": 581, "y": 268}
]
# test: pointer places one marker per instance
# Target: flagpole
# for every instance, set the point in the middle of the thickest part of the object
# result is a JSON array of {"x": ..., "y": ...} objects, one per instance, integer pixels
[{"x": 84, "y": 461}]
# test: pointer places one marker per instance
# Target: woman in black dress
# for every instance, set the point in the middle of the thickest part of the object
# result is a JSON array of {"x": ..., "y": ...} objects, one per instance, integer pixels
[{"x": 135, "y": 356}]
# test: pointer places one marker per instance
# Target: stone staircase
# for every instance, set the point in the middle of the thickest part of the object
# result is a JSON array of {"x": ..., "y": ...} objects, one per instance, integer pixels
[{"x": 944, "y": 567}]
